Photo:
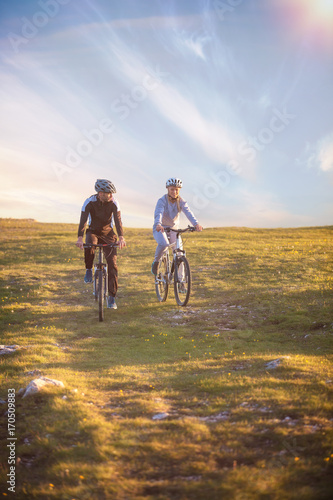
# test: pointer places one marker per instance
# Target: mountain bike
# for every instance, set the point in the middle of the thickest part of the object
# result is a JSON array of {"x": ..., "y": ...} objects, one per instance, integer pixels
[
  {"x": 100, "y": 283},
  {"x": 176, "y": 270}
]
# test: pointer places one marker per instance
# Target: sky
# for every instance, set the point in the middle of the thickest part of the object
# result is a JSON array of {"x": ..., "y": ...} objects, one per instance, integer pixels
[{"x": 234, "y": 97}]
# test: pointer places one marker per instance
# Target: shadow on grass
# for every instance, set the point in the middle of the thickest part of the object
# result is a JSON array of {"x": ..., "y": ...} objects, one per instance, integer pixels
[{"x": 58, "y": 439}]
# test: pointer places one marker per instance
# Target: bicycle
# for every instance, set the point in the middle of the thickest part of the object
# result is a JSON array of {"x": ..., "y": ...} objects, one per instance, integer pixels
[
  {"x": 100, "y": 283},
  {"x": 176, "y": 269}
]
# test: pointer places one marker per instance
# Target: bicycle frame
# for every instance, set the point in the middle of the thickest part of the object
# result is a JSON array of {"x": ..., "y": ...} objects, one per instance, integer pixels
[
  {"x": 176, "y": 270},
  {"x": 100, "y": 287},
  {"x": 176, "y": 250},
  {"x": 176, "y": 247}
]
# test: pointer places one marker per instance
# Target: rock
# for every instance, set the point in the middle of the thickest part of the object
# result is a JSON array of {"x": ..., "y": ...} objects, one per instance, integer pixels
[
  {"x": 275, "y": 363},
  {"x": 8, "y": 349},
  {"x": 160, "y": 416},
  {"x": 216, "y": 418},
  {"x": 38, "y": 384},
  {"x": 33, "y": 372}
]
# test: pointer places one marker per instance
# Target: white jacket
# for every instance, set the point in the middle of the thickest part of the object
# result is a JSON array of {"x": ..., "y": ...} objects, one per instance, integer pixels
[{"x": 167, "y": 214}]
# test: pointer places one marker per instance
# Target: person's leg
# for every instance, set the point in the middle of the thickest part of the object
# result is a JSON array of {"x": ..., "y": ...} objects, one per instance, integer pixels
[
  {"x": 111, "y": 259},
  {"x": 110, "y": 255},
  {"x": 162, "y": 243},
  {"x": 89, "y": 253}
]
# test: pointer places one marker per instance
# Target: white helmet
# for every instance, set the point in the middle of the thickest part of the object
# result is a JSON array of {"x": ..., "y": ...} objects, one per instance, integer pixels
[
  {"x": 105, "y": 186},
  {"x": 174, "y": 182}
]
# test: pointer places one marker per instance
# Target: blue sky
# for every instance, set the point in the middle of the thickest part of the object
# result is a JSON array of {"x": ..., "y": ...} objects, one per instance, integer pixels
[{"x": 235, "y": 97}]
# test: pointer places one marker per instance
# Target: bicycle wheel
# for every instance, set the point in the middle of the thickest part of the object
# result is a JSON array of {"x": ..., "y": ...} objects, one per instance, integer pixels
[
  {"x": 161, "y": 280},
  {"x": 182, "y": 281},
  {"x": 100, "y": 295},
  {"x": 95, "y": 286},
  {"x": 105, "y": 282}
]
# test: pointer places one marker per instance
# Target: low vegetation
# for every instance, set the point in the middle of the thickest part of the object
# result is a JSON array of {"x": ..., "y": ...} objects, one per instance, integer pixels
[{"x": 229, "y": 397}]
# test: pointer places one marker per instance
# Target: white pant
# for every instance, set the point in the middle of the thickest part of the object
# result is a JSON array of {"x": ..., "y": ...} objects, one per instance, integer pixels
[{"x": 163, "y": 241}]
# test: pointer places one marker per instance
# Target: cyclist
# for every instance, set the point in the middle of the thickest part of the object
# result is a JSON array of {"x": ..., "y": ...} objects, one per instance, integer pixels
[
  {"x": 103, "y": 212},
  {"x": 167, "y": 214}
]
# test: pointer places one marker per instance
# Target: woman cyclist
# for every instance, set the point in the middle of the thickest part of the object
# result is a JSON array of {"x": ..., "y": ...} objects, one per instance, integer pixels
[{"x": 167, "y": 214}]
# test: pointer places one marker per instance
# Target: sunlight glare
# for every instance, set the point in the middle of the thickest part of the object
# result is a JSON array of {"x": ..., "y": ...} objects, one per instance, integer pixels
[{"x": 309, "y": 17}]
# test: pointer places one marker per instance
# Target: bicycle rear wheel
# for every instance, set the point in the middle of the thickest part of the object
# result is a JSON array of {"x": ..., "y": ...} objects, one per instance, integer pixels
[
  {"x": 161, "y": 280},
  {"x": 182, "y": 281}
]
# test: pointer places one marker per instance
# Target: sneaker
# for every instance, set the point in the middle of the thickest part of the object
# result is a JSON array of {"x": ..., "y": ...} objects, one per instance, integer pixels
[
  {"x": 88, "y": 276},
  {"x": 182, "y": 288},
  {"x": 111, "y": 303},
  {"x": 154, "y": 267}
]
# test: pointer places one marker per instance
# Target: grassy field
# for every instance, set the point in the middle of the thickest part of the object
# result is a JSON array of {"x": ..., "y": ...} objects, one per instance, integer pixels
[{"x": 227, "y": 398}]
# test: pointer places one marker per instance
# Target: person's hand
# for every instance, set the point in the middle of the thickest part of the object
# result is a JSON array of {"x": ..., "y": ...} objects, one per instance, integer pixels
[
  {"x": 79, "y": 242},
  {"x": 198, "y": 227},
  {"x": 159, "y": 228},
  {"x": 122, "y": 242}
]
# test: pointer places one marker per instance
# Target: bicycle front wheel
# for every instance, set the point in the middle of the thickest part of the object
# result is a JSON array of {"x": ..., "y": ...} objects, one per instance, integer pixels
[
  {"x": 100, "y": 295},
  {"x": 95, "y": 286},
  {"x": 161, "y": 280},
  {"x": 182, "y": 281}
]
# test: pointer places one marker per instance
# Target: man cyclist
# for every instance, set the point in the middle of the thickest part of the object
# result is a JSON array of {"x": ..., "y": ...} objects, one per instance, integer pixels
[
  {"x": 167, "y": 214},
  {"x": 103, "y": 211}
]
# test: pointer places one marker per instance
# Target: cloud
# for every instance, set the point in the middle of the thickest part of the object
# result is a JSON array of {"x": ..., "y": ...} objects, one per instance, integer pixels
[
  {"x": 214, "y": 139},
  {"x": 183, "y": 104},
  {"x": 192, "y": 43},
  {"x": 319, "y": 155},
  {"x": 251, "y": 208},
  {"x": 325, "y": 154}
]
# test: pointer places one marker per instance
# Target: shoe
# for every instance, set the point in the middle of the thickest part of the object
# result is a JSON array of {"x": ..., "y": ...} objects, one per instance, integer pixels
[
  {"x": 111, "y": 303},
  {"x": 88, "y": 276},
  {"x": 154, "y": 267},
  {"x": 181, "y": 288}
]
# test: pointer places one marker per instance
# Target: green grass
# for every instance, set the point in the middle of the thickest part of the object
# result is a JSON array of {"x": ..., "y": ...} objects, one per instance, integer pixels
[{"x": 236, "y": 429}]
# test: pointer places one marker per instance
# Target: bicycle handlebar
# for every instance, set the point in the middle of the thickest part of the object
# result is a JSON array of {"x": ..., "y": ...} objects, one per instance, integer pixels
[
  {"x": 100, "y": 245},
  {"x": 189, "y": 228}
]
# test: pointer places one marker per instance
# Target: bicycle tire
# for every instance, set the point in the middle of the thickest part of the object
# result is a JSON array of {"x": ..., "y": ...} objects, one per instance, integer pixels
[
  {"x": 182, "y": 281},
  {"x": 100, "y": 295},
  {"x": 95, "y": 286},
  {"x": 105, "y": 282},
  {"x": 161, "y": 281}
]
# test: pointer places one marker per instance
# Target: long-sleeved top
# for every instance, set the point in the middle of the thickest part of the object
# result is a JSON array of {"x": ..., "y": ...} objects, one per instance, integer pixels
[
  {"x": 102, "y": 216},
  {"x": 167, "y": 214}
]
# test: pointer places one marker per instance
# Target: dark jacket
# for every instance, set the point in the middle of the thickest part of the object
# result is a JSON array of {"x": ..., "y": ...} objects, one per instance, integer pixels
[{"x": 102, "y": 216}]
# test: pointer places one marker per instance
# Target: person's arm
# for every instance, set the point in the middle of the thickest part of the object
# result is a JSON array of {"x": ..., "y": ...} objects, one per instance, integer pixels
[
  {"x": 119, "y": 226},
  {"x": 158, "y": 214},
  {"x": 189, "y": 214},
  {"x": 79, "y": 242},
  {"x": 82, "y": 224}
]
